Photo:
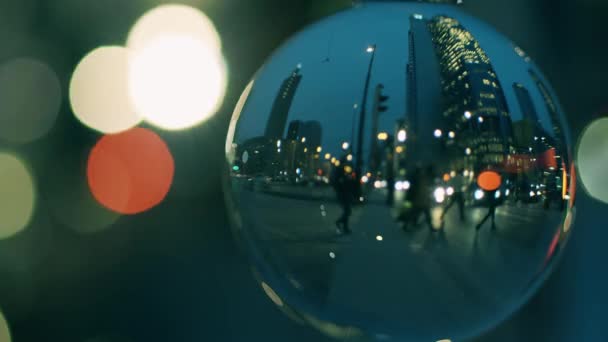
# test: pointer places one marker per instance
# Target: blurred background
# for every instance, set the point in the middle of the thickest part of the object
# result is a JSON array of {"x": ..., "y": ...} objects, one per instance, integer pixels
[{"x": 79, "y": 272}]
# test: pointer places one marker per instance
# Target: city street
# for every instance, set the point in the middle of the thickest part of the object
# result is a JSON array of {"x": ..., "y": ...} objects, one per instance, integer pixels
[{"x": 394, "y": 275}]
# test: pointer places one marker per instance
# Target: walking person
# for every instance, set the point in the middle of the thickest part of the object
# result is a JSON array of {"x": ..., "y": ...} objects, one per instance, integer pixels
[
  {"x": 419, "y": 196},
  {"x": 490, "y": 181},
  {"x": 345, "y": 186},
  {"x": 493, "y": 203},
  {"x": 458, "y": 183}
]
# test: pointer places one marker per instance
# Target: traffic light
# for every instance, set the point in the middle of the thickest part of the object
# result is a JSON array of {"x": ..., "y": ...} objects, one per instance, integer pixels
[{"x": 380, "y": 100}]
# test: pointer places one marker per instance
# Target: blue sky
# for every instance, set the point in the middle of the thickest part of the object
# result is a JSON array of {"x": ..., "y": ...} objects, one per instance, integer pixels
[{"x": 329, "y": 89}]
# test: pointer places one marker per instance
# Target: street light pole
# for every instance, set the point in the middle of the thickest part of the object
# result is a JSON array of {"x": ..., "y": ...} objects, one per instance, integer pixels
[
  {"x": 353, "y": 122},
  {"x": 359, "y": 151}
]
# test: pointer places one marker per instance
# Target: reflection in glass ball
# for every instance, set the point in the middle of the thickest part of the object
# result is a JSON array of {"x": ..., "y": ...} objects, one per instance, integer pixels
[{"x": 400, "y": 171}]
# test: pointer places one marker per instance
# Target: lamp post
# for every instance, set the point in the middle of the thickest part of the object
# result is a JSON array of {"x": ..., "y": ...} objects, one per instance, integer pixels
[
  {"x": 353, "y": 121},
  {"x": 359, "y": 152}
]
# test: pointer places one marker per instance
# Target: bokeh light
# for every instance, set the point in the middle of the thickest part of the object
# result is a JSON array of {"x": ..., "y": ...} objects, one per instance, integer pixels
[
  {"x": 177, "y": 82},
  {"x": 489, "y": 180},
  {"x": 69, "y": 198},
  {"x": 177, "y": 74},
  {"x": 17, "y": 196},
  {"x": 130, "y": 172},
  {"x": 30, "y": 97},
  {"x": 174, "y": 20},
  {"x": 99, "y": 91},
  {"x": 5, "y": 335},
  {"x": 592, "y": 159}
]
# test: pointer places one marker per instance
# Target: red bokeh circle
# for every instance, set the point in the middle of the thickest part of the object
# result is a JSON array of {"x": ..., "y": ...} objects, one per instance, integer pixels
[{"x": 130, "y": 172}]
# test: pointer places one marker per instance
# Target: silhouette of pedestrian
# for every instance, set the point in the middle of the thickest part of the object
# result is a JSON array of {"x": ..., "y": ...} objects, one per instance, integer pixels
[
  {"x": 419, "y": 196},
  {"x": 493, "y": 203},
  {"x": 490, "y": 181},
  {"x": 345, "y": 186},
  {"x": 458, "y": 184}
]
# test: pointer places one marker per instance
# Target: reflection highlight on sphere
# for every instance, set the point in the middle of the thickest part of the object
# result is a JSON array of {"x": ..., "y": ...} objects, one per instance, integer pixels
[{"x": 443, "y": 196}]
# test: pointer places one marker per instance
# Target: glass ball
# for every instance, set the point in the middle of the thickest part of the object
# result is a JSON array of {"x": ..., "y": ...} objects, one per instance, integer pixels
[{"x": 400, "y": 171}]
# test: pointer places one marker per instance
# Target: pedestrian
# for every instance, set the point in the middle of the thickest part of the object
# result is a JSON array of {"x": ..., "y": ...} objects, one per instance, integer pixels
[
  {"x": 419, "y": 196},
  {"x": 345, "y": 186},
  {"x": 493, "y": 203},
  {"x": 490, "y": 181},
  {"x": 458, "y": 183}
]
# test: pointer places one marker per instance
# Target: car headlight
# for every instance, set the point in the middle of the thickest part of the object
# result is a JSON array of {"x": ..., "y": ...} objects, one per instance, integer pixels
[{"x": 439, "y": 195}]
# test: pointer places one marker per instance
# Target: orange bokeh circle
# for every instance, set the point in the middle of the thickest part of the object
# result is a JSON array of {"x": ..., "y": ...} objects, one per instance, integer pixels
[
  {"x": 489, "y": 180},
  {"x": 130, "y": 172}
]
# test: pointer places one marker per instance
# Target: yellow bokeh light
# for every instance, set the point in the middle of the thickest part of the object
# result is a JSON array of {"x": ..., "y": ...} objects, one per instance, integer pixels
[
  {"x": 17, "y": 196},
  {"x": 177, "y": 75},
  {"x": 174, "y": 20},
  {"x": 176, "y": 82},
  {"x": 99, "y": 91},
  {"x": 5, "y": 335},
  {"x": 30, "y": 98}
]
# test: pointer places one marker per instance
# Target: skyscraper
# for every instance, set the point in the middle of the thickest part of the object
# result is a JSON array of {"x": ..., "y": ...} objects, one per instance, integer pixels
[
  {"x": 525, "y": 103},
  {"x": 308, "y": 133},
  {"x": 551, "y": 107},
  {"x": 282, "y": 104},
  {"x": 423, "y": 87},
  {"x": 559, "y": 138},
  {"x": 473, "y": 102}
]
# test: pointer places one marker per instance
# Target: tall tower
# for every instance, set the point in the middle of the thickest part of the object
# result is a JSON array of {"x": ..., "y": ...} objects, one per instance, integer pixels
[
  {"x": 282, "y": 103},
  {"x": 551, "y": 107},
  {"x": 529, "y": 126},
  {"x": 554, "y": 115},
  {"x": 473, "y": 103},
  {"x": 423, "y": 88},
  {"x": 525, "y": 103}
]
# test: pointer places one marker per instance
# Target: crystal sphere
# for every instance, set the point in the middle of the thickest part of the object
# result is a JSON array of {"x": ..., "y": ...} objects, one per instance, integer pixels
[{"x": 400, "y": 172}]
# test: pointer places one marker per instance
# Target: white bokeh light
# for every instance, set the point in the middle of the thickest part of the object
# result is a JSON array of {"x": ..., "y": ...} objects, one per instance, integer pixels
[
  {"x": 99, "y": 91},
  {"x": 592, "y": 159},
  {"x": 177, "y": 73},
  {"x": 176, "y": 82},
  {"x": 174, "y": 20},
  {"x": 17, "y": 196}
]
